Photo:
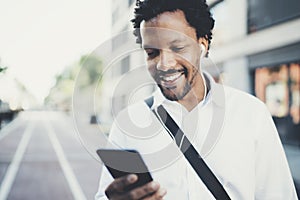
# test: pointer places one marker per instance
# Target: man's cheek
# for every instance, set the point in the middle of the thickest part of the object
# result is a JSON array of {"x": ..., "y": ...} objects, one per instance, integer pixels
[
  {"x": 152, "y": 70},
  {"x": 187, "y": 60}
]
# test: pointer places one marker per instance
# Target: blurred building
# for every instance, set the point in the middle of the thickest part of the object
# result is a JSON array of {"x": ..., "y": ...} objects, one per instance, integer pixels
[
  {"x": 256, "y": 47},
  {"x": 125, "y": 69},
  {"x": 13, "y": 92},
  {"x": 14, "y": 97}
]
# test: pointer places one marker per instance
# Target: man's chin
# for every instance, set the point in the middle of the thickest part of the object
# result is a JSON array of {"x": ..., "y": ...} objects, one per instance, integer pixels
[
  {"x": 171, "y": 98},
  {"x": 174, "y": 95},
  {"x": 169, "y": 94}
]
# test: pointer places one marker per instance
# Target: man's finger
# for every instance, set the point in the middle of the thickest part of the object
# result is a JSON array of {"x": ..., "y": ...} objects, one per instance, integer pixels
[
  {"x": 118, "y": 185},
  {"x": 143, "y": 191},
  {"x": 159, "y": 195}
]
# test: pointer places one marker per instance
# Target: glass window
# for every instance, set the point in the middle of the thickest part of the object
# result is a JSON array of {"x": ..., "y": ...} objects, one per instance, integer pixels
[
  {"x": 262, "y": 14},
  {"x": 115, "y": 15},
  {"x": 271, "y": 86},
  {"x": 279, "y": 88},
  {"x": 125, "y": 65},
  {"x": 130, "y": 2},
  {"x": 295, "y": 92}
]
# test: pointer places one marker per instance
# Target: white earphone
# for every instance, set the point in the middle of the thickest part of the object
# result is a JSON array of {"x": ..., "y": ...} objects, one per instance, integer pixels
[{"x": 203, "y": 52}]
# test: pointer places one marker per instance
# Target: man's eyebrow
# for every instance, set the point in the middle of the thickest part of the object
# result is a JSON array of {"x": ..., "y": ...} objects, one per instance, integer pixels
[
  {"x": 176, "y": 41},
  {"x": 146, "y": 46}
]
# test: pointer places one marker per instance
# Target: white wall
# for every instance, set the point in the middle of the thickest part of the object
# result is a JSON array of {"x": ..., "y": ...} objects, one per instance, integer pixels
[{"x": 237, "y": 74}]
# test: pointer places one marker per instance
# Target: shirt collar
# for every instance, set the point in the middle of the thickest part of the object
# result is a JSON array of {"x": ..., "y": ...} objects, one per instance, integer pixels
[{"x": 215, "y": 94}]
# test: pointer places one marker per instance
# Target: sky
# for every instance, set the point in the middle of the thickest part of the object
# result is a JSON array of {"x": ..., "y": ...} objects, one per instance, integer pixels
[{"x": 39, "y": 38}]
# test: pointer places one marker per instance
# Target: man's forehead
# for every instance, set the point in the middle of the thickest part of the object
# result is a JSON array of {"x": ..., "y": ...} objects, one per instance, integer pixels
[
  {"x": 166, "y": 28},
  {"x": 156, "y": 42},
  {"x": 162, "y": 36}
]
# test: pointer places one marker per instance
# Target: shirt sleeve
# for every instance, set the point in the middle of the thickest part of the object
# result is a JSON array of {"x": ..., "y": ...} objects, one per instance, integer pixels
[
  {"x": 116, "y": 140},
  {"x": 105, "y": 180},
  {"x": 272, "y": 173}
]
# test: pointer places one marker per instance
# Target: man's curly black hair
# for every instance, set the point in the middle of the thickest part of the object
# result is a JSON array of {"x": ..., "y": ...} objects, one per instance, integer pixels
[{"x": 196, "y": 13}]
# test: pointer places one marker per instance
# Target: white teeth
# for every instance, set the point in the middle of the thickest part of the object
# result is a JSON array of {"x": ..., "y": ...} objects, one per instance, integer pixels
[{"x": 171, "y": 78}]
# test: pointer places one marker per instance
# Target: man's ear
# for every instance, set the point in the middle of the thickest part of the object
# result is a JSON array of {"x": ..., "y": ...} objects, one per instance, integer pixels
[{"x": 204, "y": 42}]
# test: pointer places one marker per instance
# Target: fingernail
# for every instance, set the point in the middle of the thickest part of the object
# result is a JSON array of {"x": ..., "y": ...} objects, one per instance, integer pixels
[
  {"x": 131, "y": 178},
  {"x": 154, "y": 185}
]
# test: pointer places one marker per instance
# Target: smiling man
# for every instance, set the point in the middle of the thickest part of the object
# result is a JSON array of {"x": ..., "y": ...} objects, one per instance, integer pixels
[
  {"x": 173, "y": 57},
  {"x": 232, "y": 131}
]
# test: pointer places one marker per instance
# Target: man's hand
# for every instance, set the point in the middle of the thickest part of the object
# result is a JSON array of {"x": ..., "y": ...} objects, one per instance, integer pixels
[{"x": 117, "y": 190}]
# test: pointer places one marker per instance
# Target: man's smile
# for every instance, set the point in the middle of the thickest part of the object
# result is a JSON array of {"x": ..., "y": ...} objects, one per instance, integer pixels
[{"x": 169, "y": 79}]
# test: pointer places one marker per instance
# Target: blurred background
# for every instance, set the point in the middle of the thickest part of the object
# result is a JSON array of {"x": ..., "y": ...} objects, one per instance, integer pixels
[{"x": 60, "y": 89}]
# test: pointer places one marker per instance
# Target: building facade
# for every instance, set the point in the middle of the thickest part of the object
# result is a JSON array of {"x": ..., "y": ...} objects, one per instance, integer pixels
[
  {"x": 260, "y": 54},
  {"x": 255, "y": 46}
]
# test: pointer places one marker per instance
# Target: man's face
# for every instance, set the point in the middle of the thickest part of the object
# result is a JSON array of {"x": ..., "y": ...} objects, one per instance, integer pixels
[{"x": 173, "y": 54}]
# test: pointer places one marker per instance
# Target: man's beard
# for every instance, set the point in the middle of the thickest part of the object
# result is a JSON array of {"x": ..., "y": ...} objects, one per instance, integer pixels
[
  {"x": 179, "y": 95},
  {"x": 170, "y": 95}
]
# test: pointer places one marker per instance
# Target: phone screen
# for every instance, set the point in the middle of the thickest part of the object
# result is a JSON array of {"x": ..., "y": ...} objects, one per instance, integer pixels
[{"x": 123, "y": 162}]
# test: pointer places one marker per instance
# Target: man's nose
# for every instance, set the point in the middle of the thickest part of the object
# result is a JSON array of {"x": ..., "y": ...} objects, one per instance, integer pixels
[{"x": 166, "y": 60}]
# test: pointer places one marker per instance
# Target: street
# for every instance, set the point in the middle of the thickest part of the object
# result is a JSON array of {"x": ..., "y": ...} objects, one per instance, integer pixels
[{"x": 41, "y": 157}]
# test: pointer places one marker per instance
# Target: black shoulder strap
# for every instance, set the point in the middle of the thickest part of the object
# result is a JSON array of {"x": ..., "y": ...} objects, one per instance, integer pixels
[{"x": 191, "y": 154}]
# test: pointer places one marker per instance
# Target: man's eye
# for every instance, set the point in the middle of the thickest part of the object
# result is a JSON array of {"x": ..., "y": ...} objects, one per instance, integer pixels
[
  {"x": 177, "y": 49},
  {"x": 152, "y": 52}
]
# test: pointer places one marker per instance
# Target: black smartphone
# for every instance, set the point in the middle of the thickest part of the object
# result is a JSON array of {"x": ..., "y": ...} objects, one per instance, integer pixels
[{"x": 123, "y": 162}]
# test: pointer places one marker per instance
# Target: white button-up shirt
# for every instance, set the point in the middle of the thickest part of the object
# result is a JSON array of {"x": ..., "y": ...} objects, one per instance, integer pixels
[{"x": 233, "y": 132}]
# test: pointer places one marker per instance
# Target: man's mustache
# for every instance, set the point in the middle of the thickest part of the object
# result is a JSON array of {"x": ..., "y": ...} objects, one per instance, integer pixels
[{"x": 168, "y": 72}]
